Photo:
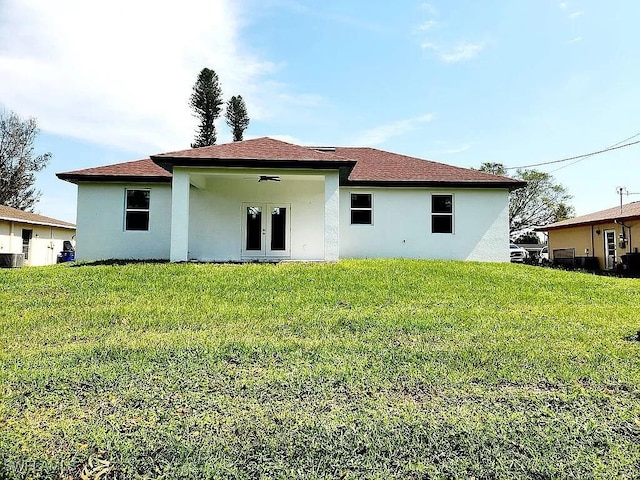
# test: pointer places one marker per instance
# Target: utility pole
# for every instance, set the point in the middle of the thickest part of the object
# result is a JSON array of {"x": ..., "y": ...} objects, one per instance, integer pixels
[{"x": 623, "y": 191}]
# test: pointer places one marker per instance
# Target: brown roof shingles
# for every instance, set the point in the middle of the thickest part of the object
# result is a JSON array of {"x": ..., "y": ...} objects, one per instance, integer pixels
[
  {"x": 629, "y": 210},
  {"x": 368, "y": 165},
  {"x": 378, "y": 165},
  {"x": 15, "y": 215},
  {"x": 144, "y": 169},
  {"x": 264, "y": 148}
]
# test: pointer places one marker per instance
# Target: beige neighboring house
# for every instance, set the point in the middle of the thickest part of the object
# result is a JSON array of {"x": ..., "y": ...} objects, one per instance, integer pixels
[
  {"x": 609, "y": 237},
  {"x": 39, "y": 238}
]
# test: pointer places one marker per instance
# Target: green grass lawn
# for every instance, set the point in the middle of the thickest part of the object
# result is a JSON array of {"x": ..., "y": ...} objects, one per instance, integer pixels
[{"x": 372, "y": 369}]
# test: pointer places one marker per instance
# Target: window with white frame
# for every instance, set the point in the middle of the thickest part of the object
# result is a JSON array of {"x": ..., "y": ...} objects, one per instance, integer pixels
[
  {"x": 441, "y": 213},
  {"x": 361, "y": 209},
  {"x": 136, "y": 216}
]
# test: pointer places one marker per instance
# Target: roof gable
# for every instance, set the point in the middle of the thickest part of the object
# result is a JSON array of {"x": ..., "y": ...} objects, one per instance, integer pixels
[{"x": 15, "y": 215}]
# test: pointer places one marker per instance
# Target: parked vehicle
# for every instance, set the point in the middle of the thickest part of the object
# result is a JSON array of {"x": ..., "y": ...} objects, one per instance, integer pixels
[
  {"x": 518, "y": 254},
  {"x": 543, "y": 258}
]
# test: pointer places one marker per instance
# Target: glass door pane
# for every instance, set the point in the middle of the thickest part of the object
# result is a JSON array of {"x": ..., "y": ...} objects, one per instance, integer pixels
[
  {"x": 26, "y": 242},
  {"x": 266, "y": 229},
  {"x": 278, "y": 228},
  {"x": 253, "y": 228},
  {"x": 610, "y": 248}
]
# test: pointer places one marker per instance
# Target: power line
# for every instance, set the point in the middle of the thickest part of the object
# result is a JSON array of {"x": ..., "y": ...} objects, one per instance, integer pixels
[
  {"x": 584, "y": 158},
  {"x": 577, "y": 156},
  {"x": 615, "y": 146}
]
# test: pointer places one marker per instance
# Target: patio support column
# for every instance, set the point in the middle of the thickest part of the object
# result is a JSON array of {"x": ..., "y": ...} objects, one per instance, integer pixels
[
  {"x": 179, "y": 216},
  {"x": 331, "y": 217}
]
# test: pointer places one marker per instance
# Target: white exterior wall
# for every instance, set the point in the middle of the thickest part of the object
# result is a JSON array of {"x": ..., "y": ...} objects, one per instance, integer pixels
[
  {"x": 100, "y": 223},
  {"x": 9, "y": 233},
  {"x": 401, "y": 219},
  {"x": 216, "y": 213},
  {"x": 46, "y": 242},
  {"x": 402, "y": 225}
]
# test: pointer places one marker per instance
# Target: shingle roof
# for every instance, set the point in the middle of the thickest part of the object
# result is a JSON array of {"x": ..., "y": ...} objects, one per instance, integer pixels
[
  {"x": 375, "y": 165},
  {"x": 15, "y": 215},
  {"x": 264, "y": 148},
  {"x": 629, "y": 210},
  {"x": 137, "y": 170},
  {"x": 368, "y": 166}
]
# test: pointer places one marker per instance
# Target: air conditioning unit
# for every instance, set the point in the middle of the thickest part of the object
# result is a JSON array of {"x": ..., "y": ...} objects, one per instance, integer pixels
[{"x": 11, "y": 260}]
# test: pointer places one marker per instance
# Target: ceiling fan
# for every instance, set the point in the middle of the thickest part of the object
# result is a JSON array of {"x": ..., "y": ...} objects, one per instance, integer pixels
[{"x": 268, "y": 178}]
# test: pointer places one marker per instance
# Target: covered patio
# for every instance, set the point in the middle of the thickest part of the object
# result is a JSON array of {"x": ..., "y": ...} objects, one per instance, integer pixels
[{"x": 240, "y": 214}]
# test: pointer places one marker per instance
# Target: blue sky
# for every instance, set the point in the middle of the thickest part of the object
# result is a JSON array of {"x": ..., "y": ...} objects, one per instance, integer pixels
[{"x": 460, "y": 82}]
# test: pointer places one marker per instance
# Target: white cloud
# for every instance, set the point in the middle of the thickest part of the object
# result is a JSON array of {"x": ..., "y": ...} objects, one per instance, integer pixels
[
  {"x": 287, "y": 138},
  {"x": 563, "y": 5},
  {"x": 430, "y": 46},
  {"x": 282, "y": 138},
  {"x": 454, "y": 150},
  {"x": 464, "y": 51},
  {"x": 428, "y": 25},
  {"x": 120, "y": 72},
  {"x": 459, "y": 53},
  {"x": 575, "y": 40},
  {"x": 576, "y": 15},
  {"x": 428, "y": 7},
  {"x": 377, "y": 135}
]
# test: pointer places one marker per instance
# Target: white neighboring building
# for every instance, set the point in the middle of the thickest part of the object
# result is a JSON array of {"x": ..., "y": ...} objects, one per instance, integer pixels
[
  {"x": 39, "y": 238},
  {"x": 264, "y": 199}
]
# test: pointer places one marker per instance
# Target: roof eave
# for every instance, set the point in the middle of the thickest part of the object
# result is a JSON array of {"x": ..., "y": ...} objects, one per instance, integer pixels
[
  {"x": 433, "y": 183},
  {"x": 169, "y": 162},
  {"x": 571, "y": 225},
  {"x": 76, "y": 178},
  {"x": 35, "y": 222},
  {"x": 587, "y": 223}
]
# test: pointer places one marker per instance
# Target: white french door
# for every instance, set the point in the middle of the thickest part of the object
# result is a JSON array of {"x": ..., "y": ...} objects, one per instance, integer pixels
[{"x": 265, "y": 230}]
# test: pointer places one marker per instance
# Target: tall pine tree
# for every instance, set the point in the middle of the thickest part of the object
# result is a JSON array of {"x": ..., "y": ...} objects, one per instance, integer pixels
[
  {"x": 206, "y": 102},
  {"x": 237, "y": 117}
]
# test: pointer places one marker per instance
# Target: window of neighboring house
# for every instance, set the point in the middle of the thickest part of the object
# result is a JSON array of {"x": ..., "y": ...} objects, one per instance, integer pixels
[
  {"x": 137, "y": 209},
  {"x": 361, "y": 209},
  {"x": 442, "y": 213}
]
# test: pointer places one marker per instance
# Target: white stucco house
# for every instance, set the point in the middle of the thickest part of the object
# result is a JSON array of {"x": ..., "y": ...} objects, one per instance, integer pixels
[
  {"x": 38, "y": 238},
  {"x": 263, "y": 199}
]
